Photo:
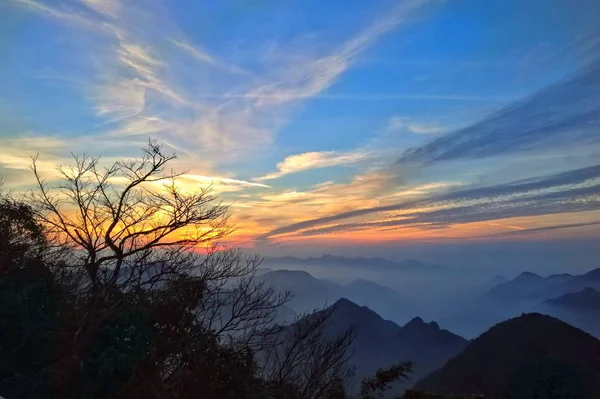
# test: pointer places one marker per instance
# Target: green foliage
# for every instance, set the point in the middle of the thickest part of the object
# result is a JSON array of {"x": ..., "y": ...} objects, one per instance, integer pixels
[{"x": 21, "y": 238}]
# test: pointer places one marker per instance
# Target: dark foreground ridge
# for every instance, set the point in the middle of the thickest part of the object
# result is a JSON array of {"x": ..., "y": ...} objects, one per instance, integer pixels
[{"x": 530, "y": 353}]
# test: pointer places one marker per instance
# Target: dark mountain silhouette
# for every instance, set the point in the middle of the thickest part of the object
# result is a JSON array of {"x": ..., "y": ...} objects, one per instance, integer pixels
[
  {"x": 381, "y": 343},
  {"x": 310, "y": 293},
  {"x": 347, "y": 313},
  {"x": 580, "y": 309},
  {"x": 423, "y": 337},
  {"x": 529, "y": 356}
]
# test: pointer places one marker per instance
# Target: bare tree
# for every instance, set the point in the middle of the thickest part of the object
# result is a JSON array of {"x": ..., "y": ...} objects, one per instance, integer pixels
[
  {"x": 306, "y": 358},
  {"x": 235, "y": 305},
  {"x": 130, "y": 212},
  {"x": 131, "y": 229},
  {"x": 130, "y": 226},
  {"x": 375, "y": 386}
]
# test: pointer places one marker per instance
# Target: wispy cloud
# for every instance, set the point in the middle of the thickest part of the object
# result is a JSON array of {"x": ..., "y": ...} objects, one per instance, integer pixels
[
  {"x": 314, "y": 160},
  {"x": 147, "y": 79},
  {"x": 208, "y": 58},
  {"x": 69, "y": 15},
  {"x": 309, "y": 78},
  {"x": 223, "y": 181},
  {"x": 565, "y": 114},
  {"x": 576, "y": 190},
  {"x": 287, "y": 97},
  {"x": 545, "y": 228},
  {"x": 143, "y": 76},
  {"x": 567, "y": 201},
  {"x": 16, "y": 153},
  {"x": 401, "y": 123},
  {"x": 106, "y": 7}
]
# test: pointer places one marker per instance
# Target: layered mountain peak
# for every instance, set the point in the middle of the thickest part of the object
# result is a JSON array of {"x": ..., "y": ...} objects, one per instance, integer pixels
[
  {"x": 593, "y": 274},
  {"x": 586, "y": 298},
  {"x": 380, "y": 343},
  {"x": 419, "y": 331},
  {"x": 359, "y": 316},
  {"x": 346, "y": 304},
  {"x": 415, "y": 321},
  {"x": 524, "y": 354},
  {"x": 418, "y": 323}
]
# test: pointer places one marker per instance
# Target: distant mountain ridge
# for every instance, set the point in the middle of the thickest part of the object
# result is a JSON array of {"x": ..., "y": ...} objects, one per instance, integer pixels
[
  {"x": 530, "y": 286},
  {"x": 588, "y": 298},
  {"x": 529, "y": 354},
  {"x": 376, "y": 263},
  {"x": 524, "y": 293},
  {"x": 580, "y": 309},
  {"x": 310, "y": 293}
]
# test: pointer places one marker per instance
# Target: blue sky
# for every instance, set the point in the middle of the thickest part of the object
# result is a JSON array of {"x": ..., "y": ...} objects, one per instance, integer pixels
[{"x": 416, "y": 113}]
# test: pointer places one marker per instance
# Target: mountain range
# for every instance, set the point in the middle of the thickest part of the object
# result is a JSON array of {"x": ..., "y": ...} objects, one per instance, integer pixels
[
  {"x": 530, "y": 287},
  {"x": 381, "y": 343},
  {"x": 531, "y": 356},
  {"x": 529, "y": 352},
  {"x": 525, "y": 293},
  {"x": 580, "y": 309},
  {"x": 310, "y": 293},
  {"x": 371, "y": 264}
]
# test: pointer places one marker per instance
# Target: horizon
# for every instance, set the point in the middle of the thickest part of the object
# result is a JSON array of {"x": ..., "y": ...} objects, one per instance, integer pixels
[{"x": 455, "y": 133}]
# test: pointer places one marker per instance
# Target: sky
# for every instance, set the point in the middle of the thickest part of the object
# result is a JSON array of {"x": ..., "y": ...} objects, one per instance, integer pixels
[{"x": 329, "y": 126}]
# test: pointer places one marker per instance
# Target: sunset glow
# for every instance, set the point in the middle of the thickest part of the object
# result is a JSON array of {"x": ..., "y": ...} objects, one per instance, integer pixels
[{"x": 326, "y": 124}]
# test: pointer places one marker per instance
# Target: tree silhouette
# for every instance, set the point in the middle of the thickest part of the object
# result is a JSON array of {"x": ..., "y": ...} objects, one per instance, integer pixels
[
  {"x": 125, "y": 213},
  {"x": 112, "y": 299},
  {"x": 374, "y": 387}
]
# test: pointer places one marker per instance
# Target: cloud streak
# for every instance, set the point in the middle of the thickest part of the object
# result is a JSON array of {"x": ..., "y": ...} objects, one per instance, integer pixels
[
  {"x": 207, "y": 58},
  {"x": 149, "y": 81},
  {"x": 568, "y": 201},
  {"x": 545, "y": 228},
  {"x": 314, "y": 160},
  {"x": 309, "y": 78},
  {"x": 572, "y": 191},
  {"x": 399, "y": 123},
  {"x": 566, "y": 113}
]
